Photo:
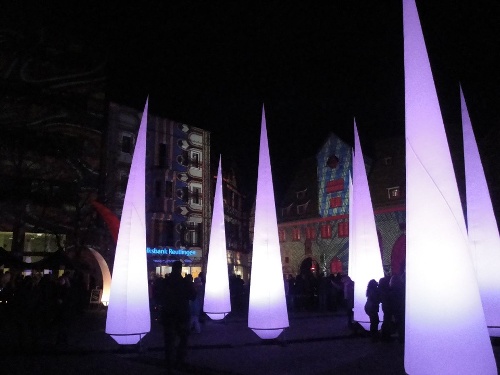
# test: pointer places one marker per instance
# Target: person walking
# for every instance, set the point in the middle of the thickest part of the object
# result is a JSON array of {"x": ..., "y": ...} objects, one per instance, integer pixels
[{"x": 175, "y": 315}]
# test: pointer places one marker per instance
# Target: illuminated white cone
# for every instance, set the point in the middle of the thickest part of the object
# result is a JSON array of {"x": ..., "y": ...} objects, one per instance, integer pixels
[
  {"x": 128, "y": 318},
  {"x": 445, "y": 330},
  {"x": 365, "y": 248},
  {"x": 267, "y": 315},
  {"x": 217, "y": 302},
  {"x": 482, "y": 227}
]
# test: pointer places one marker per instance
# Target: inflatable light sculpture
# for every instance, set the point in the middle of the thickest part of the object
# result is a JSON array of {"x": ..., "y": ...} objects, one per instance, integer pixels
[
  {"x": 267, "y": 314},
  {"x": 106, "y": 276},
  {"x": 367, "y": 263},
  {"x": 352, "y": 246},
  {"x": 484, "y": 240},
  {"x": 128, "y": 318},
  {"x": 445, "y": 328},
  {"x": 217, "y": 302}
]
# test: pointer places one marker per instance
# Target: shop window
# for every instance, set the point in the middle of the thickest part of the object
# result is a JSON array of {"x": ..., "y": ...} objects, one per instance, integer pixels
[
  {"x": 335, "y": 185},
  {"x": 343, "y": 229},
  {"x": 394, "y": 192},
  {"x": 335, "y": 202},
  {"x": 296, "y": 234},
  {"x": 281, "y": 233},
  {"x": 326, "y": 231},
  {"x": 310, "y": 233}
]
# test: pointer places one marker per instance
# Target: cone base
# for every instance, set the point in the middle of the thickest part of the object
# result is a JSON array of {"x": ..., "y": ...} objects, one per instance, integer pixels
[
  {"x": 268, "y": 334},
  {"x": 217, "y": 316}
]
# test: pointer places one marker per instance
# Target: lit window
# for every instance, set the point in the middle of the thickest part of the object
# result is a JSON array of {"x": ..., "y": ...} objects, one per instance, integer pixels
[
  {"x": 281, "y": 233},
  {"x": 394, "y": 192},
  {"x": 296, "y": 234},
  {"x": 335, "y": 202},
  {"x": 335, "y": 185},
  {"x": 310, "y": 233},
  {"x": 326, "y": 231},
  {"x": 343, "y": 229}
]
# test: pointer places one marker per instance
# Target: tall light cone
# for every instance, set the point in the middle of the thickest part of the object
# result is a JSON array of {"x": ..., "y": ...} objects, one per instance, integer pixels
[
  {"x": 217, "y": 303},
  {"x": 128, "y": 318},
  {"x": 445, "y": 330},
  {"x": 367, "y": 263},
  {"x": 482, "y": 227},
  {"x": 267, "y": 315}
]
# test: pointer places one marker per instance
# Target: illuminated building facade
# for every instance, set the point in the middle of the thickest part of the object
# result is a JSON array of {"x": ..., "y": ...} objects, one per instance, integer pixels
[
  {"x": 314, "y": 214},
  {"x": 178, "y": 185}
]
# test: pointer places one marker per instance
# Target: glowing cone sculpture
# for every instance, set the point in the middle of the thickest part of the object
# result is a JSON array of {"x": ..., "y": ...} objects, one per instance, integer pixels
[
  {"x": 217, "y": 302},
  {"x": 128, "y": 318},
  {"x": 366, "y": 260},
  {"x": 267, "y": 315},
  {"x": 445, "y": 329},
  {"x": 482, "y": 227}
]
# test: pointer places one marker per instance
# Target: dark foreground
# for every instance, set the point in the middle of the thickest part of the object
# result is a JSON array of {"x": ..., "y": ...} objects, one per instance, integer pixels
[{"x": 315, "y": 343}]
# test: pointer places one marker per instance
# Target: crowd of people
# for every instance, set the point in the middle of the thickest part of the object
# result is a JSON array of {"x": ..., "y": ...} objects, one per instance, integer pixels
[{"x": 37, "y": 304}]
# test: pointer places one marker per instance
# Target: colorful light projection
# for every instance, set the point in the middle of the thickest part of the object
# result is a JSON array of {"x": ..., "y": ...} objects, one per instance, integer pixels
[
  {"x": 445, "y": 326},
  {"x": 484, "y": 240},
  {"x": 267, "y": 315},
  {"x": 106, "y": 276},
  {"x": 128, "y": 318},
  {"x": 217, "y": 302},
  {"x": 366, "y": 260}
]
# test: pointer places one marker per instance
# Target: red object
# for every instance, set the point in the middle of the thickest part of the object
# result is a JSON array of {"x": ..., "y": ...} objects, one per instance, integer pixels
[
  {"x": 344, "y": 229},
  {"x": 335, "y": 202},
  {"x": 109, "y": 217},
  {"x": 398, "y": 258},
  {"x": 326, "y": 231}
]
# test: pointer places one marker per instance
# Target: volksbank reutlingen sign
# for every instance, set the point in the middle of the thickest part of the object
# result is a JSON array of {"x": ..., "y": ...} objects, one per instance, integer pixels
[{"x": 178, "y": 252}]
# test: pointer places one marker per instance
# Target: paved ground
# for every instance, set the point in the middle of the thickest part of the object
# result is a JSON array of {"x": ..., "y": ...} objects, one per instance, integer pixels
[{"x": 315, "y": 343}]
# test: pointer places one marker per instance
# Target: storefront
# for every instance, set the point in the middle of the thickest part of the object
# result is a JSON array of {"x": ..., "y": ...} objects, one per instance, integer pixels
[{"x": 160, "y": 260}]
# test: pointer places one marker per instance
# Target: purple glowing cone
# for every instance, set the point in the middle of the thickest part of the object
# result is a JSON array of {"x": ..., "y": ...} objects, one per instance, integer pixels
[
  {"x": 128, "y": 318},
  {"x": 482, "y": 227},
  {"x": 217, "y": 302},
  {"x": 445, "y": 329},
  {"x": 267, "y": 315}
]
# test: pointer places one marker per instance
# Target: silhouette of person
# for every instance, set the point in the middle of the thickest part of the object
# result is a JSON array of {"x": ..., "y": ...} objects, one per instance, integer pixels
[
  {"x": 372, "y": 306},
  {"x": 177, "y": 293}
]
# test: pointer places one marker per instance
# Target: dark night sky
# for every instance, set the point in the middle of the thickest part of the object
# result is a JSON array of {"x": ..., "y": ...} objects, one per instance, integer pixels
[{"x": 212, "y": 64}]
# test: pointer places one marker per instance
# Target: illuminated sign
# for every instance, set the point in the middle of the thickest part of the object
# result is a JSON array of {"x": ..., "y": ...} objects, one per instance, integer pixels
[{"x": 188, "y": 253}]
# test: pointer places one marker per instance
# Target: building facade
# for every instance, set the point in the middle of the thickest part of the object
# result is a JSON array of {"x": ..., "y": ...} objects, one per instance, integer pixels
[
  {"x": 178, "y": 185},
  {"x": 314, "y": 215}
]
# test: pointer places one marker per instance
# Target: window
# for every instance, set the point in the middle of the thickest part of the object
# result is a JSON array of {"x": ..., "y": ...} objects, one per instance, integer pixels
[
  {"x": 335, "y": 202},
  {"x": 123, "y": 182},
  {"x": 192, "y": 234},
  {"x": 287, "y": 260},
  {"x": 332, "y": 162},
  {"x": 301, "y": 208},
  {"x": 335, "y": 185},
  {"x": 157, "y": 189},
  {"x": 326, "y": 231},
  {"x": 185, "y": 194},
  {"x": 285, "y": 211},
  {"x": 343, "y": 229},
  {"x": 162, "y": 155},
  {"x": 310, "y": 233},
  {"x": 196, "y": 195},
  {"x": 195, "y": 159},
  {"x": 281, "y": 233},
  {"x": 393, "y": 192},
  {"x": 301, "y": 194},
  {"x": 296, "y": 234},
  {"x": 127, "y": 144},
  {"x": 168, "y": 189}
]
